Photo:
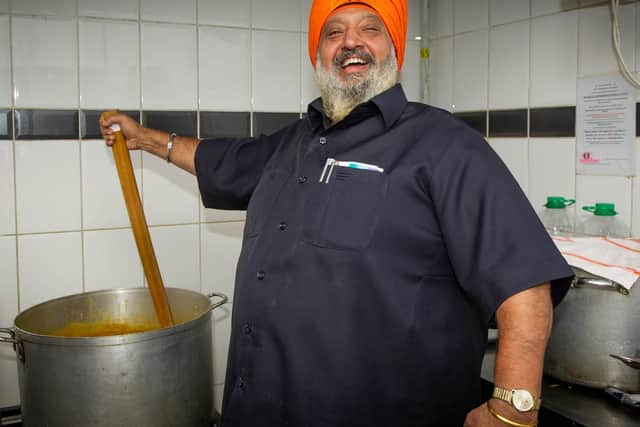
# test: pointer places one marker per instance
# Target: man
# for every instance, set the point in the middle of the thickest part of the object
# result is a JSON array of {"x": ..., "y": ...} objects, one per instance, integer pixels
[{"x": 381, "y": 239}]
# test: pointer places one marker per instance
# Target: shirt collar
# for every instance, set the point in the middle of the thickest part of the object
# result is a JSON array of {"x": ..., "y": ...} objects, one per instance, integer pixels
[{"x": 389, "y": 103}]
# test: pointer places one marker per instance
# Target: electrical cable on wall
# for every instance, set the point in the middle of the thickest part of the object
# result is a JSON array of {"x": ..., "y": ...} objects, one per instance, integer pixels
[{"x": 615, "y": 32}]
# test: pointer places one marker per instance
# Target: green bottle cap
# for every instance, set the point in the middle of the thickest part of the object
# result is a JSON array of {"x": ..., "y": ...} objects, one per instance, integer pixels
[
  {"x": 602, "y": 209},
  {"x": 557, "y": 202}
]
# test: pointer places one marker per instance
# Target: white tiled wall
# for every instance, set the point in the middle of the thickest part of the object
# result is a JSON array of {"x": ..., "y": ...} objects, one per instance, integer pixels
[
  {"x": 63, "y": 225},
  {"x": 535, "y": 54}
]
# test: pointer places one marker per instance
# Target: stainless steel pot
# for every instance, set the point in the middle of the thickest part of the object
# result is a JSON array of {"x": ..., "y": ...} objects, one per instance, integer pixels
[
  {"x": 162, "y": 377},
  {"x": 595, "y": 340}
]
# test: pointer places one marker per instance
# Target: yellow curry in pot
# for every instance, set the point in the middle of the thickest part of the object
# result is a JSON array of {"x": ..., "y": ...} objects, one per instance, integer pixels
[{"x": 102, "y": 329}]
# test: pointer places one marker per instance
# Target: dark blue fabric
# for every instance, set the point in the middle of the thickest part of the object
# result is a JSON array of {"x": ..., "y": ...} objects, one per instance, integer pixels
[{"x": 365, "y": 301}]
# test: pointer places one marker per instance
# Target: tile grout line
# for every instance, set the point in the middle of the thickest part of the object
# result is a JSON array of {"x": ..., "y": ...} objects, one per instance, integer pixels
[
  {"x": 140, "y": 116},
  {"x": 200, "y": 227},
  {"x": 530, "y": 73},
  {"x": 488, "y": 91},
  {"x": 453, "y": 57},
  {"x": 251, "y": 70},
  {"x": 575, "y": 177},
  {"x": 83, "y": 275},
  {"x": 14, "y": 147}
]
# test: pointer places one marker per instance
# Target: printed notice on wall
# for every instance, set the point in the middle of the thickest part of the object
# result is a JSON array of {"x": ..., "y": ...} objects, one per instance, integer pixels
[{"x": 605, "y": 126}]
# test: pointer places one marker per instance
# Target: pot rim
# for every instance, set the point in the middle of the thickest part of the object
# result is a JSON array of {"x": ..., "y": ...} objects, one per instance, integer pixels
[{"x": 31, "y": 337}]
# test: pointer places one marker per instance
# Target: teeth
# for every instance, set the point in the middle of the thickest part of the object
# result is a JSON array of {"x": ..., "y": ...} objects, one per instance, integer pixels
[{"x": 351, "y": 61}]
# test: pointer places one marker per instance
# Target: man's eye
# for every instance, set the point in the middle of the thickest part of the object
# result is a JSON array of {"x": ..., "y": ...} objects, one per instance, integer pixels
[{"x": 371, "y": 29}]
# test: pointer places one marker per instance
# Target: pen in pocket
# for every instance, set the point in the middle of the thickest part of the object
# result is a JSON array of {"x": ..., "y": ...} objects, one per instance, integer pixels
[{"x": 331, "y": 163}]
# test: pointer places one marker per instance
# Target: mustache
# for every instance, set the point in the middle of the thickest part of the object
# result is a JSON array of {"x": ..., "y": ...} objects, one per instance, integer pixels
[{"x": 351, "y": 53}]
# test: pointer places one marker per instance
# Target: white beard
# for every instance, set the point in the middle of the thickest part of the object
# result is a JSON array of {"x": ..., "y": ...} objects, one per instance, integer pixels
[{"x": 340, "y": 98}]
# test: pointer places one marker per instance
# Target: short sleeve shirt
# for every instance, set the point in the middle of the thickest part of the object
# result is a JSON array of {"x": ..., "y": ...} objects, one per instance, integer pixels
[{"x": 375, "y": 253}]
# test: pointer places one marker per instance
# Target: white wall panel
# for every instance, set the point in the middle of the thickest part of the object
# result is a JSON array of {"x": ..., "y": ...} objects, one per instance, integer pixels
[
  {"x": 218, "y": 91},
  {"x": 7, "y": 193},
  {"x": 177, "y": 251},
  {"x": 118, "y": 9},
  {"x": 440, "y": 78},
  {"x": 509, "y": 66},
  {"x": 276, "y": 83},
  {"x": 9, "y": 393},
  {"x": 505, "y": 11},
  {"x": 235, "y": 13},
  {"x": 470, "y": 72},
  {"x": 109, "y": 70},
  {"x": 596, "y": 54},
  {"x": 183, "y": 11},
  {"x": 49, "y": 266},
  {"x": 47, "y": 186},
  {"x": 554, "y": 59},
  {"x": 45, "y": 62},
  {"x": 169, "y": 67},
  {"x": 470, "y": 15},
  {"x": 6, "y": 87}
]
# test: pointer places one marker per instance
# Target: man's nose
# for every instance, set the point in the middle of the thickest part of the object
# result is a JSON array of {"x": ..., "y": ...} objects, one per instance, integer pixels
[{"x": 352, "y": 39}]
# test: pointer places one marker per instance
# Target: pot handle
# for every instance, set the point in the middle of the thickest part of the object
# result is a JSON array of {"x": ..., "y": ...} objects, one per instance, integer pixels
[
  {"x": 629, "y": 361},
  {"x": 9, "y": 332},
  {"x": 604, "y": 284},
  {"x": 17, "y": 345},
  {"x": 223, "y": 300}
]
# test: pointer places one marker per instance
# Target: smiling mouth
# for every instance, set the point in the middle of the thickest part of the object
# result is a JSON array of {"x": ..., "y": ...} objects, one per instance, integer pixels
[{"x": 353, "y": 61}]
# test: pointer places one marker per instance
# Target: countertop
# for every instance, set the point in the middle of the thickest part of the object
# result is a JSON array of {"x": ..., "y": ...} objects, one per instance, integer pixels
[{"x": 573, "y": 405}]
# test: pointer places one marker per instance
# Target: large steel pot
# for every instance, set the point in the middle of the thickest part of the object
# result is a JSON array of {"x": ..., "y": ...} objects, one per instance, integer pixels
[
  {"x": 161, "y": 377},
  {"x": 595, "y": 340}
]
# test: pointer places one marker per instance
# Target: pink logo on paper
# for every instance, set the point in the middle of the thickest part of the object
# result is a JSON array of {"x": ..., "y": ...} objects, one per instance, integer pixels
[{"x": 587, "y": 159}]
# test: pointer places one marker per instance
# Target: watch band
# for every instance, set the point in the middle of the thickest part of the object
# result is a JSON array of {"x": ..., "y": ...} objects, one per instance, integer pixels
[{"x": 507, "y": 396}]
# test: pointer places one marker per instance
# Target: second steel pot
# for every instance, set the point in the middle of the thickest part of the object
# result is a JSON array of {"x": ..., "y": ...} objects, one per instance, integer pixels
[{"x": 595, "y": 340}]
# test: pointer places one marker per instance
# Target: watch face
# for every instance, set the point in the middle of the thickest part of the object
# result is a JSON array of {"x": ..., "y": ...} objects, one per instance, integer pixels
[{"x": 522, "y": 400}]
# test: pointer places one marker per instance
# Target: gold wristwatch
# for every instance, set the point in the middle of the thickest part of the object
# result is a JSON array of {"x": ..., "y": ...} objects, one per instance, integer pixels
[{"x": 520, "y": 399}]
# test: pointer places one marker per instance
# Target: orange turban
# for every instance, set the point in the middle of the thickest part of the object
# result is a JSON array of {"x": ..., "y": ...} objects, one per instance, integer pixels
[{"x": 392, "y": 12}]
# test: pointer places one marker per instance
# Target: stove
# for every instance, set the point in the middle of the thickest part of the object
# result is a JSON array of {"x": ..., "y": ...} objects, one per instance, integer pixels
[{"x": 11, "y": 416}]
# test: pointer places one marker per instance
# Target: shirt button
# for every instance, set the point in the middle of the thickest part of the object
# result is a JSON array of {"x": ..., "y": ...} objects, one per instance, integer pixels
[
  {"x": 323, "y": 140},
  {"x": 241, "y": 383},
  {"x": 302, "y": 179},
  {"x": 260, "y": 275},
  {"x": 282, "y": 226},
  {"x": 246, "y": 328}
]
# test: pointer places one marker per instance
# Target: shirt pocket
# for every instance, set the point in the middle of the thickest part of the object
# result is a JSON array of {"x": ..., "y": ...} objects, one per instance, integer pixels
[
  {"x": 263, "y": 199},
  {"x": 344, "y": 213}
]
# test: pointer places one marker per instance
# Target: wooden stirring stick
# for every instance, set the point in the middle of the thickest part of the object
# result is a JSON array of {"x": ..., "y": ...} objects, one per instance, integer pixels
[{"x": 139, "y": 225}]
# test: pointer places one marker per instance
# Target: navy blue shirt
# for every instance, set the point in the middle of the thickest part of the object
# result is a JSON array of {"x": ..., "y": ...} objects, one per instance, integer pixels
[{"x": 364, "y": 289}]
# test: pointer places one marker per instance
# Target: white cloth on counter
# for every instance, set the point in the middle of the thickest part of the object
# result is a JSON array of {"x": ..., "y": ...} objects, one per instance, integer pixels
[{"x": 614, "y": 259}]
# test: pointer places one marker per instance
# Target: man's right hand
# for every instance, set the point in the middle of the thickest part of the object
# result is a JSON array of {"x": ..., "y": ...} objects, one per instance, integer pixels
[
  {"x": 132, "y": 130},
  {"x": 152, "y": 141}
]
